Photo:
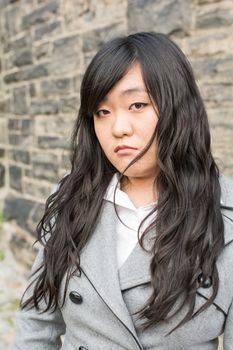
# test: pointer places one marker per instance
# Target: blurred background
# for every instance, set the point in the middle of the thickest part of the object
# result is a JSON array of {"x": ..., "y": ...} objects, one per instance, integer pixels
[{"x": 45, "y": 47}]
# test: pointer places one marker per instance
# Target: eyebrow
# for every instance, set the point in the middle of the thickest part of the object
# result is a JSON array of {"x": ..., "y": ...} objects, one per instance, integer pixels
[{"x": 129, "y": 91}]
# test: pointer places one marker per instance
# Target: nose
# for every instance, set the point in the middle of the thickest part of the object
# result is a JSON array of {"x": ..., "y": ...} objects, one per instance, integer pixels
[{"x": 122, "y": 126}]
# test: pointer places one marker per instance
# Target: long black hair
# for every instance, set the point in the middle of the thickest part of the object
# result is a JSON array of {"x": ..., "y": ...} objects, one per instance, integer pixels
[{"x": 189, "y": 226}]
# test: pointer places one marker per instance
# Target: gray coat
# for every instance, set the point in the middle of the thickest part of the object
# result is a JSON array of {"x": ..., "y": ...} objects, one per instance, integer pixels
[{"x": 99, "y": 306}]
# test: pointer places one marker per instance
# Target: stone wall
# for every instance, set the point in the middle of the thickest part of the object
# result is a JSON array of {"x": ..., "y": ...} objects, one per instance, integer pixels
[{"x": 45, "y": 47}]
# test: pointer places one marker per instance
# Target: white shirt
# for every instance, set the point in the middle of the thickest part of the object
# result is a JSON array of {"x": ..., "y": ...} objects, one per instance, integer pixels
[{"x": 127, "y": 233}]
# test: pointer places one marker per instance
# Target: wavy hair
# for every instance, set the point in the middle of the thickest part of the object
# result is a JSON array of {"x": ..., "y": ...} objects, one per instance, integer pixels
[{"x": 189, "y": 226}]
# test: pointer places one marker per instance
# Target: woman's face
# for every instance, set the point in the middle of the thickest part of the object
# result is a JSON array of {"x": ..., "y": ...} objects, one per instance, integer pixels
[{"x": 124, "y": 123}]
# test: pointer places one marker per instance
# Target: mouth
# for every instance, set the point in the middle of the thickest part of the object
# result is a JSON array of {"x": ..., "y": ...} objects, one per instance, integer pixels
[{"x": 122, "y": 147}]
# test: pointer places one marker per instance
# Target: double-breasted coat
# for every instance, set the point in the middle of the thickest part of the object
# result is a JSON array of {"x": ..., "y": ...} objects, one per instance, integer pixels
[{"x": 100, "y": 305}]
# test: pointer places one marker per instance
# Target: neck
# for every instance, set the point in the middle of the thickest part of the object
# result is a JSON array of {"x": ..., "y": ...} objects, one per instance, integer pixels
[{"x": 141, "y": 191}]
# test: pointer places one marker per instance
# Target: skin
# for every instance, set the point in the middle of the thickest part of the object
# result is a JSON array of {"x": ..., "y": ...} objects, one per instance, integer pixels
[{"x": 127, "y": 116}]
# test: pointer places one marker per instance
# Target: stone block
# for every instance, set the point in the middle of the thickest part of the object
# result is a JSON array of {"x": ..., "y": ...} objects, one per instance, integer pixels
[
  {"x": 215, "y": 15},
  {"x": 35, "y": 216},
  {"x": 93, "y": 40},
  {"x": 15, "y": 139},
  {"x": 66, "y": 55},
  {"x": 204, "y": 67},
  {"x": 14, "y": 124},
  {"x": 72, "y": 64},
  {"x": 19, "y": 140},
  {"x": 13, "y": 20},
  {"x": 83, "y": 15},
  {"x": 19, "y": 209},
  {"x": 54, "y": 87},
  {"x": 26, "y": 74},
  {"x": 44, "y": 157},
  {"x": 23, "y": 58},
  {"x": 221, "y": 117},
  {"x": 218, "y": 94},
  {"x": 77, "y": 82},
  {"x": 65, "y": 161},
  {"x": 40, "y": 15},
  {"x": 37, "y": 190},
  {"x": 32, "y": 90},
  {"x": 69, "y": 105},
  {"x": 207, "y": 44},
  {"x": 72, "y": 42},
  {"x": 20, "y": 156},
  {"x": 4, "y": 3},
  {"x": 48, "y": 29},
  {"x": 15, "y": 177},
  {"x": 20, "y": 100},
  {"x": 4, "y": 106},
  {"x": 8, "y": 61},
  {"x": 2, "y": 152},
  {"x": 168, "y": 16},
  {"x": 43, "y": 107},
  {"x": 58, "y": 124},
  {"x": 2, "y": 175},
  {"x": 45, "y": 171},
  {"x": 20, "y": 244},
  {"x": 18, "y": 44},
  {"x": 42, "y": 50},
  {"x": 3, "y": 130},
  {"x": 26, "y": 127},
  {"x": 52, "y": 142}
]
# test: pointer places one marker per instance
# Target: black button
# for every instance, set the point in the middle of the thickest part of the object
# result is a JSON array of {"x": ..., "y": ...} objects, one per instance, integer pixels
[
  {"x": 82, "y": 348},
  {"x": 205, "y": 284},
  {"x": 76, "y": 298}
]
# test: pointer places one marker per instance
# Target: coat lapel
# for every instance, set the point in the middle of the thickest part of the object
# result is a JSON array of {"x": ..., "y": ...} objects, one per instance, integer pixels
[
  {"x": 136, "y": 269},
  {"x": 99, "y": 264}
]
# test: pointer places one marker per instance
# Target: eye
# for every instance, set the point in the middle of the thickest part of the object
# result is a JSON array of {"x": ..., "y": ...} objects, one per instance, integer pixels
[
  {"x": 101, "y": 113},
  {"x": 138, "y": 105}
]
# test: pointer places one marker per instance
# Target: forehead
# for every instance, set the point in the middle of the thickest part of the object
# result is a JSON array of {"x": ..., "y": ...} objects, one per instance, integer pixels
[{"x": 132, "y": 82}]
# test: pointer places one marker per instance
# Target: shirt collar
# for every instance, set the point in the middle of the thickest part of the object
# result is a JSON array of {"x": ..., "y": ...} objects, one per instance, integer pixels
[{"x": 121, "y": 198}]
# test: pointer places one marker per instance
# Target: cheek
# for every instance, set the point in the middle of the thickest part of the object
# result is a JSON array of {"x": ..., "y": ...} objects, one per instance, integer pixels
[{"x": 103, "y": 138}]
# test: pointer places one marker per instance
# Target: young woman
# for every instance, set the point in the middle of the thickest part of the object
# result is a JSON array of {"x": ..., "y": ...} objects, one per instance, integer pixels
[{"x": 137, "y": 241}]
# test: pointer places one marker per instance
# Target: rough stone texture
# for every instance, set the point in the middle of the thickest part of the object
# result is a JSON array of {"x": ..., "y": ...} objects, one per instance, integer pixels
[
  {"x": 15, "y": 177},
  {"x": 23, "y": 58},
  {"x": 20, "y": 101},
  {"x": 58, "y": 125},
  {"x": 20, "y": 156},
  {"x": 24, "y": 211},
  {"x": 83, "y": 15},
  {"x": 3, "y": 130},
  {"x": 27, "y": 74},
  {"x": 214, "y": 15},
  {"x": 49, "y": 29},
  {"x": 2, "y": 175},
  {"x": 43, "y": 107},
  {"x": 40, "y": 15},
  {"x": 59, "y": 86},
  {"x": 45, "y": 46},
  {"x": 52, "y": 142},
  {"x": 168, "y": 16}
]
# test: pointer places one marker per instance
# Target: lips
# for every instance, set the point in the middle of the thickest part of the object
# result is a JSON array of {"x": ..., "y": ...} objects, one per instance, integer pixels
[{"x": 122, "y": 147}]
